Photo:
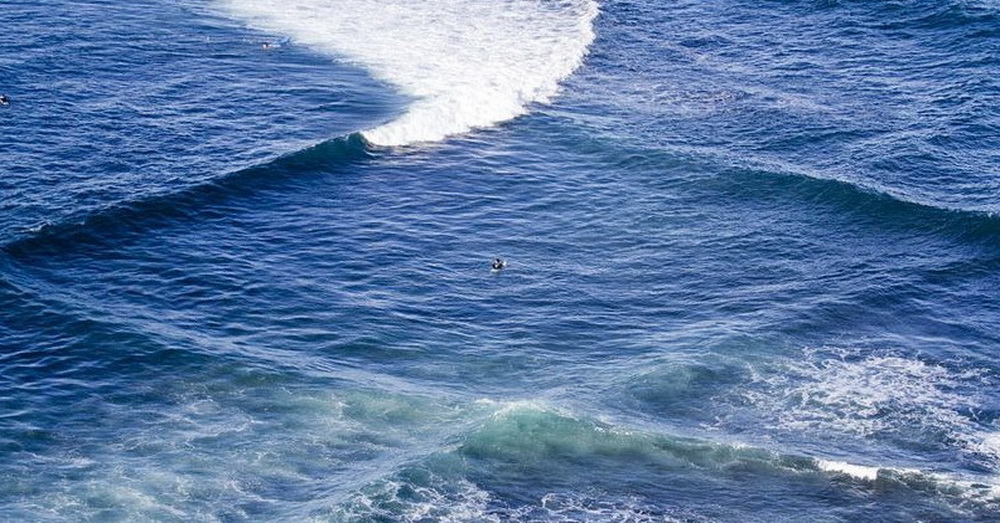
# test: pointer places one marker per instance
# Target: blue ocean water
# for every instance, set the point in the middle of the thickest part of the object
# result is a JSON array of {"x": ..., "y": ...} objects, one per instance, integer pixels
[{"x": 753, "y": 260}]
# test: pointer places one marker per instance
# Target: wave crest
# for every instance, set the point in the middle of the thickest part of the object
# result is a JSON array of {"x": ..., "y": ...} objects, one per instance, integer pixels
[{"x": 464, "y": 64}]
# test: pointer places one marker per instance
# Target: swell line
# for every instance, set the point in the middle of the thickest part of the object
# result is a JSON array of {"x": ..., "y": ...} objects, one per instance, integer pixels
[
  {"x": 97, "y": 228},
  {"x": 870, "y": 204},
  {"x": 740, "y": 178}
]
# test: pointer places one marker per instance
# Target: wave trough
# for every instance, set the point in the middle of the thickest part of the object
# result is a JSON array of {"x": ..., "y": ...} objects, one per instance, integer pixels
[{"x": 464, "y": 64}]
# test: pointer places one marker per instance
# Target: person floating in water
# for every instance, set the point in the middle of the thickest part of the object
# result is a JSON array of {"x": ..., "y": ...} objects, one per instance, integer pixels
[
  {"x": 4, "y": 100},
  {"x": 498, "y": 264},
  {"x": 274, "y": 44}
]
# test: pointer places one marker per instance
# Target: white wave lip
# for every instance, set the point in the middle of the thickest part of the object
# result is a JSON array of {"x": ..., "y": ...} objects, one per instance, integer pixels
[
  {"x": 467, "y": 64},
  {"x": 856, "y": 471}
]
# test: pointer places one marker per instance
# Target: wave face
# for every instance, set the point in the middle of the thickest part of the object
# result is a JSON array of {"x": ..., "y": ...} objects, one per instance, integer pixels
[{"x": 466, "y": 64}]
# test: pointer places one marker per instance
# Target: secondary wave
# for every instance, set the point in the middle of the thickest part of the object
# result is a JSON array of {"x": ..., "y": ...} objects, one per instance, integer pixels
[
  {"x": 465, "y": 64},
  {"x": 550, "y": 444}
]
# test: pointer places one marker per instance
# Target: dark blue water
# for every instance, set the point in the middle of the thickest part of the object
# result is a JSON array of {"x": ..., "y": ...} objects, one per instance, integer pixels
[{"x": 753, "y": 261}]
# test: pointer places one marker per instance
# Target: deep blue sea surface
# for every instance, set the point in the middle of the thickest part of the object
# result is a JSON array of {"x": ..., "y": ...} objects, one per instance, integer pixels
[{"x": 753, "y": 260}]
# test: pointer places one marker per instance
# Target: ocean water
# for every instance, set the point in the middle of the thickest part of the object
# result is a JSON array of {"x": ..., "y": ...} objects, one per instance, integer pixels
[{"x": 753, "y": 260}]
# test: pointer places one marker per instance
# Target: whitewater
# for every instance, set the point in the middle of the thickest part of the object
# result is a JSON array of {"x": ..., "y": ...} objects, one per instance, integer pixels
[{"x": 462, "y": 64}]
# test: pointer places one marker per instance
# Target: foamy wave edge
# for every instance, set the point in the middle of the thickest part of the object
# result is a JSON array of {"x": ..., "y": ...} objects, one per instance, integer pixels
[
  {"x": 960, "y": 487},
  {"x": 465, "y": 65}
]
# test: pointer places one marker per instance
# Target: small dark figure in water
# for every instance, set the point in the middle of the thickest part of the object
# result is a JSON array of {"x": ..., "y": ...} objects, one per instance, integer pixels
[
  {"x": 4, "y": 100},
  {"x": 498, "y": 264},
  {"x": 274, "y": 45}
]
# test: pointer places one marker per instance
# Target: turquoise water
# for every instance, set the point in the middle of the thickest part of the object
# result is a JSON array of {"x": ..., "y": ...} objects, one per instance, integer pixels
[{"x": 752, "y": 261}]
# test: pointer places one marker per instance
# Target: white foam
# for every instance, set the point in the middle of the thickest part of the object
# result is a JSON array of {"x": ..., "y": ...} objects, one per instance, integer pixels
[
  {"x": 503, "y": 408},
  {"x": 595, "y": 505},
  {"x": 856, "y": 471},
  {"x": 973, "y": 489},
  {"x": 866, "y": 472},
  {"x": 988, "y": 444},
  {"x": 875, "y": 396},
  {"x": 440, "y": 499},
  {"x": 467, "y": 64}
]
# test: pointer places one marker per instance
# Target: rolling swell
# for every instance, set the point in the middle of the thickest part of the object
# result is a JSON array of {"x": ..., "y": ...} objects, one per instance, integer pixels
[
  {"x": 56, "y": 332},
  {"x": 938, "y": 15},
  {"x": 873, "y": 206},
  {"x": 916, "y": 14},
  {"x": 527, "y": 48},
  {"x": 762, "y": 180},
  {"x": 204, "y": 200}
]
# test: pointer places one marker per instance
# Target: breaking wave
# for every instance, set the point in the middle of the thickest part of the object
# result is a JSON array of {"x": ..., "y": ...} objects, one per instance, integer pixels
[{"x": 464, "y": 64}]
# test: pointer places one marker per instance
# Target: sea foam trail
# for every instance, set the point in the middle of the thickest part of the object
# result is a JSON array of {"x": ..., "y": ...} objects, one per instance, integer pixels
[{"x": 466, "y": 63}]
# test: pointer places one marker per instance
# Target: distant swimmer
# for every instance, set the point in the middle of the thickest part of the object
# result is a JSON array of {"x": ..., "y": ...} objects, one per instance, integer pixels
[
  {"x": 274, "y": 45},
  {"x": 4, "y": 100},
  {"x": 498, "y": 264}
]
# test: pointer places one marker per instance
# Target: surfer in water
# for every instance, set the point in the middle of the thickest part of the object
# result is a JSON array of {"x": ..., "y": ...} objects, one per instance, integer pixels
[
  {"x": 4, "y": 100},
  {"x": 267, "y": 46},
  {"x": 498, "y": 264}
]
